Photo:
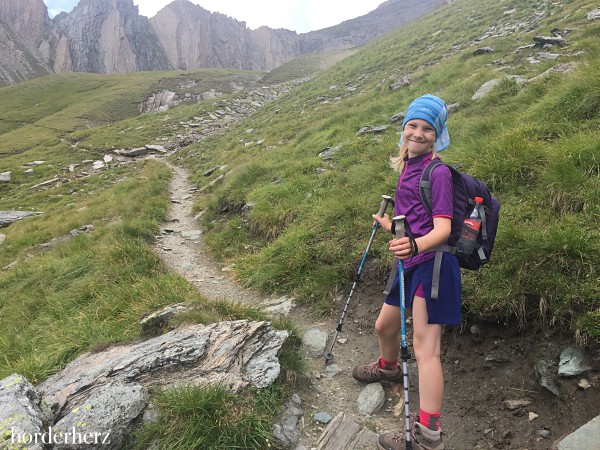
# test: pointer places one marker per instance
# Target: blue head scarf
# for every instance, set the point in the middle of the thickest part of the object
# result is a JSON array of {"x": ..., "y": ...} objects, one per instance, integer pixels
[{"x": 433, "y": 110}]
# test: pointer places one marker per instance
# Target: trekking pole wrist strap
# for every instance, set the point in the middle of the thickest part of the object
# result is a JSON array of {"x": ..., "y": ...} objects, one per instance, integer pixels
[{"x": 415, "y": 247}]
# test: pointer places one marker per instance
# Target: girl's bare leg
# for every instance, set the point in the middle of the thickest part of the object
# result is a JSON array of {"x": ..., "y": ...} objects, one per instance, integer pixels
[
  {"x": 427, "y": 347},
  {"x": 387, "y": 328}
]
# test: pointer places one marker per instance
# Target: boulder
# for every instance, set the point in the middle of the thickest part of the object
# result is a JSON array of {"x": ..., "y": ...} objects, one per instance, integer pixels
[
  {"x": 573, "y": 362},
  {"x": 594, "y": 15},
  {"x": 104, "y": 419},
  {"x": 588, "y": 436},
  {"x": 23, "y": 417},
  {"x": 483, "y": 51}
]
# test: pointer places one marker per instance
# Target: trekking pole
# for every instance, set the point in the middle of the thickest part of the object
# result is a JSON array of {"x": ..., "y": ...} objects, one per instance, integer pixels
[
  {"x": 400, "y": 223},
  {"x": 382, "y": 207}
]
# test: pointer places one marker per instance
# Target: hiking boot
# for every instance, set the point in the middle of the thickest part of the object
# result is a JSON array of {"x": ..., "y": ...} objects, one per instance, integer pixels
[
  {"x": 426, "y": 439},
  {"x": 370, "y": 373},
  {"x": 391, "y": 441},
  {"x": 421, "y": 438},
  {"x": 397, "y": 441}
]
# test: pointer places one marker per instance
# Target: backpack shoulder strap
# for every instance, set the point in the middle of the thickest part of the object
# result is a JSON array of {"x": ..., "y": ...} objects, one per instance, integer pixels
[
  {"x": 425, "y": 184},
  {"x": 425, "y": 194}
]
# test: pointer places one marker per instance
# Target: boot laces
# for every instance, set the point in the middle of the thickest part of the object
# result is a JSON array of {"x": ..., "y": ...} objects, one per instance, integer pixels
[{"x": 373, "y": 369}]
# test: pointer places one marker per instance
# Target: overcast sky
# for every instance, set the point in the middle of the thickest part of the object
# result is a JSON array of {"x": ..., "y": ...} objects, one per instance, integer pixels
[{"x": 297, "y": 15}]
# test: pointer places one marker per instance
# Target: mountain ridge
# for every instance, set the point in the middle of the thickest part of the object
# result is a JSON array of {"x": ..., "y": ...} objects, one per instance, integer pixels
[{"x": 110, "y": 36}]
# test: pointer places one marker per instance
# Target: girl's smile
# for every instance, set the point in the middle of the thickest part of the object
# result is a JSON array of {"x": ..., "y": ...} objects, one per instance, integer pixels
[{"x": 419, "y": 136}]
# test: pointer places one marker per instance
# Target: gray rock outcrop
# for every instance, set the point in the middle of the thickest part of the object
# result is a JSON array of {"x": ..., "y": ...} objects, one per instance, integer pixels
[
  {"x": 8, "y": 217},
  {"x": 287, "y": 431},
  {"x": 96, "y": 399},
  {"x": 588, "y": 436},
  {"x": 194, "y": 37},
  {"x": 235, "y": 354}
]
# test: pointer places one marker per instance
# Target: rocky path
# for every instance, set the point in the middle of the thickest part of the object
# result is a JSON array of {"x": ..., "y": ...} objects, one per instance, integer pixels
[
  {"x": 180, "y": 246},
  {"x": 330, "y": 391},
  {"x": 482, "y": 371}
]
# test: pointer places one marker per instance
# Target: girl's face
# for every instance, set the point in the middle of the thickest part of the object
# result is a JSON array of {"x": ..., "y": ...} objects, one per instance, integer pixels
[{"x": 419, "y": 136}]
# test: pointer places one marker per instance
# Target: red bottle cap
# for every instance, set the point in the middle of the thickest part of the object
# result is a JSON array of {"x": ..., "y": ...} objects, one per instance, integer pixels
[{"x": 478, "y": 200}]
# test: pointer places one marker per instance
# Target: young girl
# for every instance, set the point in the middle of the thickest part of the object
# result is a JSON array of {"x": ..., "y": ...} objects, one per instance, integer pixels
[{"x": 424, "y": 133}]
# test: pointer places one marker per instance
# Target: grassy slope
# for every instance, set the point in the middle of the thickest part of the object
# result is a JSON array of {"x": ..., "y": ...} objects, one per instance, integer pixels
[
  {"x": 92, "y": 290},
  {"x": 535, "y": 144}
]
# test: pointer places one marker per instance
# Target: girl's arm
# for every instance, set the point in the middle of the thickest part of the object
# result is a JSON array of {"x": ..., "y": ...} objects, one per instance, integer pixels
[{"x": 403, "y": 249}]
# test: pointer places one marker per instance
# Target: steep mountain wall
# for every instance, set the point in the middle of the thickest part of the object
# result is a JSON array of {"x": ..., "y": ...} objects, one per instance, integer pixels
[
  {"x": 110, "y": 36},
  {"x": 27, "y": 18},
  {"x": 21, "y": 22},
  {"x": 356, "y": 32},
  {"x": 103, "y": 36}
]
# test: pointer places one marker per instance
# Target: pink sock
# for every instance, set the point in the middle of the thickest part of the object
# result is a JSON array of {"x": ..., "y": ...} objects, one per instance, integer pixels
[
  {"x": 387, "y": 365},
  {"x": 430, "y": 420}
]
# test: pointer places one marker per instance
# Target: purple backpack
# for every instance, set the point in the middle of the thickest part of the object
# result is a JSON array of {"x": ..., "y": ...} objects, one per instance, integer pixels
[{"x": 466, "y": 188}]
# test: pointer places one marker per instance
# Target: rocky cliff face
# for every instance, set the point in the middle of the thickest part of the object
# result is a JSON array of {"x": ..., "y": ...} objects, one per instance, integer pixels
[
  {"x": 356, "y": 32},
  {"x": 109, "y": 36},
  {"x": 194, "y": 37},
  {"x": 20, "y": 24},
  {"x": 27, "y": 18},
  {"x": 103, "y": 36}
]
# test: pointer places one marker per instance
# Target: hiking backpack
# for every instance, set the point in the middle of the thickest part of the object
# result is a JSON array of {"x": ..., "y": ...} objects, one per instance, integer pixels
[{"x": 466, "y": 188}]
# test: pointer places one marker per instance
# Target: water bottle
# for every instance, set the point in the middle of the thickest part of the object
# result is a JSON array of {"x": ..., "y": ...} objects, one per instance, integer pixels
[{"x": 470, "y": 230}]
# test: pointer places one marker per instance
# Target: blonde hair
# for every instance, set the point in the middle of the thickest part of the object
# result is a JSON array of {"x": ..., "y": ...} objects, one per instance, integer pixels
[{"x": 397, "y": 162}]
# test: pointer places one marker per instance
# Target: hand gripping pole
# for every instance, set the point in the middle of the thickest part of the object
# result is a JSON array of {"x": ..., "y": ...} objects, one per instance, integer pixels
[{"x": 382, "y": 208}]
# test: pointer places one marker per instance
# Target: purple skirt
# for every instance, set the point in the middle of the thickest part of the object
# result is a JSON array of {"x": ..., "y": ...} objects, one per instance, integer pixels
[{"x": 447, "y": 308}]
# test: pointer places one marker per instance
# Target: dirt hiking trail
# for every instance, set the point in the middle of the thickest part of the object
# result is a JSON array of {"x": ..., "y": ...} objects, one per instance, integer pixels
[{"x": 482, "y": 370}]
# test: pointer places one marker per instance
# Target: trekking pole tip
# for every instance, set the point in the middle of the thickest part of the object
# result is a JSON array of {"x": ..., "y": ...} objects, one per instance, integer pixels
[{"x": 328, "y": 357}]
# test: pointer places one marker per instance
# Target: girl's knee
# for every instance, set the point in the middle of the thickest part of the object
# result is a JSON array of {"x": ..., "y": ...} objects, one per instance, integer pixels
[
  {"x": 385, "y": 330},
  {"x": 426, "y": 349}
]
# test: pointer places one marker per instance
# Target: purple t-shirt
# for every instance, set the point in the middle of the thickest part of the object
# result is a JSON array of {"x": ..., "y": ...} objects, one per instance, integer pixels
[{"x": 409, "y": 204}]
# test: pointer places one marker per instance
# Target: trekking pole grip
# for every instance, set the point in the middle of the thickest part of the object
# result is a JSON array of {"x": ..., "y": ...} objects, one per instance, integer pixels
[
  {"x": 384, "y": 204},
  {"x": 399, "y": 226}
]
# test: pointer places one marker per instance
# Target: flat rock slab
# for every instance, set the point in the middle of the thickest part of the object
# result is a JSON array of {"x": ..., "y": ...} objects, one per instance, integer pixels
[
  {"x": 343, "y": 433},
  {"x": 588, "y": 437}
]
